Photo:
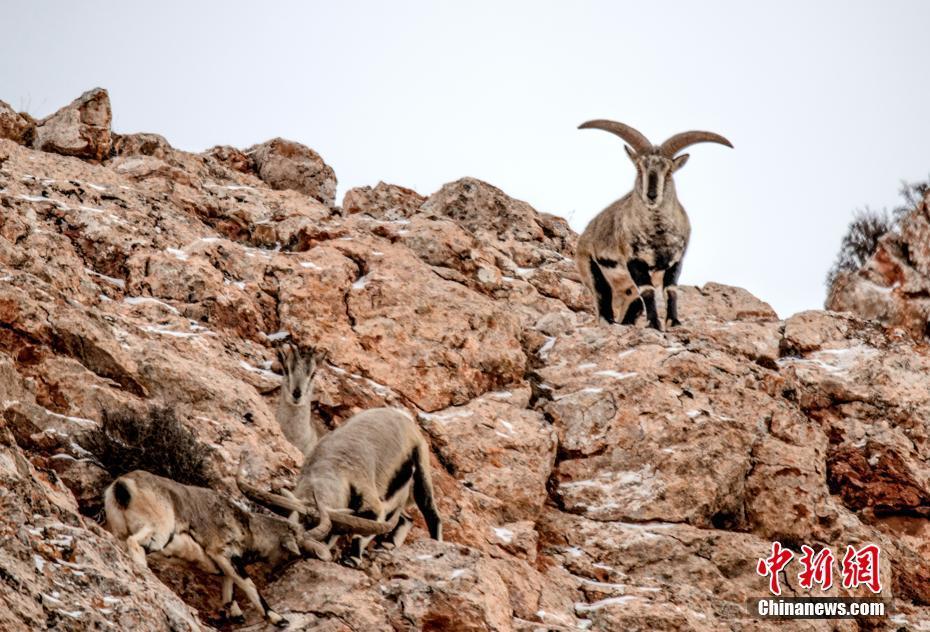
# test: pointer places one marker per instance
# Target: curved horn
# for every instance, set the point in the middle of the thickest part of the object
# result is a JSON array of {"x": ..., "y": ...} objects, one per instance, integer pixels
[
  {"x": 679, "y": 141},
  {"x": 637, "y": 141},
  {"x": 363, "y": 526},
  {"x": 272, "y": 500}
]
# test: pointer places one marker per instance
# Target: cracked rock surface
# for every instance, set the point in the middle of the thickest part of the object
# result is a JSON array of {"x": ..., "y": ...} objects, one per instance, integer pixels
[{"x": 588, "y": 477}]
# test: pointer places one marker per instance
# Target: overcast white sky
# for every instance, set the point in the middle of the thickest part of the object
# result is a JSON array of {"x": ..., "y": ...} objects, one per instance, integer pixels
[{"x": 825, "y": 102}]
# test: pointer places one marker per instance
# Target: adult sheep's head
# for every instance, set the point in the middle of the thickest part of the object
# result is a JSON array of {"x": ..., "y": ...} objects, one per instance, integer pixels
[{"x": 654, "y": 164}]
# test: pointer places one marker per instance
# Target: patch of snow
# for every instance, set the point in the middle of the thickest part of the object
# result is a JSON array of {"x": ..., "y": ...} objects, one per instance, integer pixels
[
  {"x": 141, "y": 300},
  {"x": 51, "y": 599},
  {"x": 117, "y": 282},
  {"x": 834, "y": 361},
  {"x": 96, "y": 187},
  {"x": 591, "y": 390},
  {"x": 621, "y": 588},
  {"x": 525, "y": 272},
  {"x": 597, "y": 605},
  {"x": 544, "y": 350},
  {"x": 587, "y": 365},
  {"x": 254, "y": 369},
  {"x": 178, "y": 254},
  {"x": 361, "y": 282},
  {"x": 237, "y": 284},
  {"x": 377, "y": 253},
  {"x": 310, "y": 265},
  {"x": 501, "y": 394},
  {"x": 276, "y": 336},
  {"x": 458, "y": 572},
  {"x": 168, "y": 332},
  {"x": 693, "y": 413},
  {"x": 80, "y": 421},
  {"x": 574, "y": 551},
  {"x": 74, "y": 614},
  {"x": 445, "y": 417},
  {"x": 64, "y": 541},
  {"x": 504, "y": 535},
  {"x": 39, "y": 561},
  {"x": 616, "y": 374}
]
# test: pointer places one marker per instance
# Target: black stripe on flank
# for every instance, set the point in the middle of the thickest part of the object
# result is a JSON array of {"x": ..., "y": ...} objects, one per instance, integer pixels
[
  {"x": 239, "y": 564},
  {"x": 603, "y": 292},
  {"x": 368, "y": 514},
  {"x": 355, "y": 499},
  {"x": 121, "y": 493},
  {"x": 607, "y": 263},
  {"x": 403, "y": 474}
]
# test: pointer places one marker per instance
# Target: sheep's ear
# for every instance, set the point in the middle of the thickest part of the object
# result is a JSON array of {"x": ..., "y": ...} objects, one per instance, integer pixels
[
  {"x": 630, "y": 152},
  {"x": 291, "y": 546},
  {"x": 318, "y": 549},
  {"x": 281, "y": 353},
  {"x": 320, "y": 355},
  {"x": 679, "y": 162}
]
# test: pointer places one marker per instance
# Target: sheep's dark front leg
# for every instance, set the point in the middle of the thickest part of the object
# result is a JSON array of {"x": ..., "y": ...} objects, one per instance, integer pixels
[
  {"x": 670, "y": 283},
  {"x": 639, "y": 272}
]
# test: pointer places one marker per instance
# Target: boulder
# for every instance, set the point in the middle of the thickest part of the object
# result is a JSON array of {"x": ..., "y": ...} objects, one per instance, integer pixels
[
  {"x": 284, "y": 164},
  {"x": 14, "y": 126},
  {"x": 80, "y": 129}
]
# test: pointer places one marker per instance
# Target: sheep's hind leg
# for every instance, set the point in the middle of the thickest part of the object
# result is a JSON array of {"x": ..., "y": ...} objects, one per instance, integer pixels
[{"x": 639, "y": 271}]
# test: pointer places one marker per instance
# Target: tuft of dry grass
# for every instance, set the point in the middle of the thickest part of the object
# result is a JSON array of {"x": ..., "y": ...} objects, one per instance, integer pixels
[{"x": 155, "y": 441}]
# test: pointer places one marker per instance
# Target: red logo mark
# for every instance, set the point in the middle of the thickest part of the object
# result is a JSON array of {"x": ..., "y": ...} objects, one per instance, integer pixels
[
  {"x": 770, "y": 566},
  {"x": 818, "y": 569},
  {"x": 862, "y": 567}
]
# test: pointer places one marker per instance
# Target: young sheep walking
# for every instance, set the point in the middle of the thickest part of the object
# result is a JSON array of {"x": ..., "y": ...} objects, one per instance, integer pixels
[
  {"x": 639, "y": 241},
  {"x": 294, "y": 414},
  {"x": 156, "y": 514}
]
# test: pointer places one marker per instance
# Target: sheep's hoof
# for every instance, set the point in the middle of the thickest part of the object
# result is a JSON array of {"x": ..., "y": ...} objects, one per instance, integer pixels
[
  {"x": 352, "y": 561},
  {"x": 276, "y": 620},
  {"x": 674, "y": 323},
  {"x": 225, "y": 618}
]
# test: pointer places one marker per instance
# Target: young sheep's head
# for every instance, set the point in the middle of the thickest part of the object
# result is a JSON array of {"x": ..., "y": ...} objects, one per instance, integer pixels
[
  {"x": 654, "y": 164},
  {"x": 299, "y": 367}
]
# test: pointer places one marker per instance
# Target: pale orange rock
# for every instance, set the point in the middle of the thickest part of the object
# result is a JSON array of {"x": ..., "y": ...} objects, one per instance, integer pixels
[{"x": 606, "y": 478}]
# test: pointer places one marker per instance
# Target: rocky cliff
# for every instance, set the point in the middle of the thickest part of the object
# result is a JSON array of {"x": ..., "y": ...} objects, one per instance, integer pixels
[
  {"x": 893, "y": 287},
  {"x": 588, "y": 477}
]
